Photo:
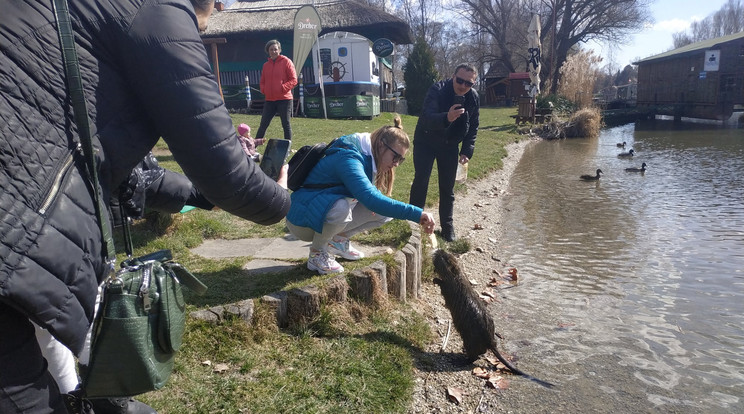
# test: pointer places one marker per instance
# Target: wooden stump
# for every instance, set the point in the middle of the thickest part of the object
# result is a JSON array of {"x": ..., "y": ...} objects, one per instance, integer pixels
[
  {"x": 277, "y": 302},
  {"x": 396, "y": 277},
  {"x": 334, "y": 290},
  {"x": 361, "y": 285},
  {"x": 303, "y": 305},
  {"x": 242, "y": 310},
  {"x": 412, "y": 269}
]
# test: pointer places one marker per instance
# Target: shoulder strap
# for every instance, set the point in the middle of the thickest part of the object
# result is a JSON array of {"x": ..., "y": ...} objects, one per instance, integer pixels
[
  {"x": 80, "y": 111},
  {"x": 322, "y": 186}
]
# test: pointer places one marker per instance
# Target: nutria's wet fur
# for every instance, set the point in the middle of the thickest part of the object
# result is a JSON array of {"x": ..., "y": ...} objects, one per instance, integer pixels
[{"x": 469, "y": 313}]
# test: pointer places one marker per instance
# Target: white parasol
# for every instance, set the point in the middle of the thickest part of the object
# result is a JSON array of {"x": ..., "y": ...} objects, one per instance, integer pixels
[{"x": 533, "y": 64}]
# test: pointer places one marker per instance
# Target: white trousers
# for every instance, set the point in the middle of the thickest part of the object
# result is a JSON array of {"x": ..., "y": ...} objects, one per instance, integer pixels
[
  {"x": 60, "y": 360},
  {"x": 346, "y": 218}
]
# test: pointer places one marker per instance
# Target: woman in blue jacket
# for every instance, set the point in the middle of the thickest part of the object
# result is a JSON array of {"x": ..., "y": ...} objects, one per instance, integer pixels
[{"x": 347, "y": 192}]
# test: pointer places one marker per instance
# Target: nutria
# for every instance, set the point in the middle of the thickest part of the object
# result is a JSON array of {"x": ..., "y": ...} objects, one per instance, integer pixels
[{"x": 469, "y": 313}]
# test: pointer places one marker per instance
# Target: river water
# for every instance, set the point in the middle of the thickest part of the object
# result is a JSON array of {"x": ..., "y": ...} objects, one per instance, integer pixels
[{"x": 635, "y": 282}]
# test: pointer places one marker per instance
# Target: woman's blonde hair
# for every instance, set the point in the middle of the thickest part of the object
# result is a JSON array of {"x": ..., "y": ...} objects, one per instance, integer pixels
[{"x": 387, "y": 135}]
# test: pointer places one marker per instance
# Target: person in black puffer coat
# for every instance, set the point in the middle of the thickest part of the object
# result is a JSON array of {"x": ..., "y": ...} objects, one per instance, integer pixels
[
  {"x": 153, "y": 187},
  {"x": 446, "y": 128},
  {"x": 146, "y": 75}
]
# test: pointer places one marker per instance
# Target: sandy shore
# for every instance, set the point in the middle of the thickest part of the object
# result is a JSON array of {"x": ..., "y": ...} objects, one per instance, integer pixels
[{"x": 478, "y": 215}]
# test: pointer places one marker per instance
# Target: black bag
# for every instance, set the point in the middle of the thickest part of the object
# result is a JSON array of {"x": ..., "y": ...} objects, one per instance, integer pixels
[{"x": 302, "y": 162}]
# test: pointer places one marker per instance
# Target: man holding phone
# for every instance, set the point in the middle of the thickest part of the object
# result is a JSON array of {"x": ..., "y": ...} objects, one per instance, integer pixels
[{"x": 450, "y": 116}]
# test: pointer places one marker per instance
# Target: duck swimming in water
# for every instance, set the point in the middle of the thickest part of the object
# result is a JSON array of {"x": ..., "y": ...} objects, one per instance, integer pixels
[
  {"x": 627, "y": 154},
  {"x": 621, "y": 145},
  {"x": 587, "y": 177},
  {"x": 636, "y": 169}
]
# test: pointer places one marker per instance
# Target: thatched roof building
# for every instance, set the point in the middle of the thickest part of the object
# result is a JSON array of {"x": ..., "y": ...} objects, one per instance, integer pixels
[
  {"x": 277, "y": 16},
  {"x": 241, "y": 31}
]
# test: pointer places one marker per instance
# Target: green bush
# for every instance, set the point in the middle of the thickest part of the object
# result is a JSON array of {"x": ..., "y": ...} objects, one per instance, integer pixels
[{"x": 419, "y": 74}]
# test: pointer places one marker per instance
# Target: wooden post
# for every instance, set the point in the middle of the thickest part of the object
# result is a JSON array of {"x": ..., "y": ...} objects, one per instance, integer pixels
[{"x": 215, "y": 60}]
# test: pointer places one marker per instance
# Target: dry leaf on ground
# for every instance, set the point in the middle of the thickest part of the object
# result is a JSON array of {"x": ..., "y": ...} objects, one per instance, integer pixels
[
  {"x": 481, "y": 373},
  {"x": 454, "y": 394},
  {"x": 498, "y": 382},
  {"x": 496, "y": 363},
  {"x": 494, "y": 282},
  {"x": 220, "y": 368}
]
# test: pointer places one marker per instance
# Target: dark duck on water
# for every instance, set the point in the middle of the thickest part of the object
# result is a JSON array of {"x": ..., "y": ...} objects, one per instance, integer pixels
[
  {"x": 587, "y": 177},
  {"x": 627, "y": 154},
  {"x": 636, "y": 169},
  {"x": 621, "y": 144}
]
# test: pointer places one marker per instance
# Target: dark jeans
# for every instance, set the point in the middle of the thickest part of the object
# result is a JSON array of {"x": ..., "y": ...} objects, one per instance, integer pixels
[
  {"x": 271, "y": 108},
  {"x": 25, "y": 384},
  {"x": 447, "y": 157}
]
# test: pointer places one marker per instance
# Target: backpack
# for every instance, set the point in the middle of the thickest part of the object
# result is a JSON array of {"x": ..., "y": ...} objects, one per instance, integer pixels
[{"x": 302, "y": 162}]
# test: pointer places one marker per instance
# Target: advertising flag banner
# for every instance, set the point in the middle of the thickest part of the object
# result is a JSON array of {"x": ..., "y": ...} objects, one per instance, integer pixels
[{"x": 306, "y": 29}]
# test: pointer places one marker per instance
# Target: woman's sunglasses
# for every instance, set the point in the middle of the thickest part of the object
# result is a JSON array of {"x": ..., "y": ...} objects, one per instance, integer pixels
[
  {"x": 397, "y": 158},
  {"x": 462, "y": 81}
]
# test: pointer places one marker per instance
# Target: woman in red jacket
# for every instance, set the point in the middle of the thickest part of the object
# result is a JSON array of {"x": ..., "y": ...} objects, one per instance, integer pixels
[{"x": 278, "y": 78}]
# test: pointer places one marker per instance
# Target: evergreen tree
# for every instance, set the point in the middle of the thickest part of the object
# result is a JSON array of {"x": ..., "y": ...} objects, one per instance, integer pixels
[{"x": 419, "y": 74}]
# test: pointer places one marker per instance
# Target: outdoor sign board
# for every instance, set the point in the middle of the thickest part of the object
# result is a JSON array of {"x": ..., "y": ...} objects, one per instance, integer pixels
[
  {"x": 382, "y": 47},
  {"x": 712, "y": 57},
  {"x": 362, "y": 106}
]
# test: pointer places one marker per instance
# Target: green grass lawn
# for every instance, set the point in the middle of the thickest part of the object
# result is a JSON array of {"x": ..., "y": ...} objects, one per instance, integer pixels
[{"x": 353, "y": 358}]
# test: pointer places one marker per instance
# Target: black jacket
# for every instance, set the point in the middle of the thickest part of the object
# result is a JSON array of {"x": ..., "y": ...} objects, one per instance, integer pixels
[
  {"x": 146, "y": 75},
  {"x": 433, "y": 127}
]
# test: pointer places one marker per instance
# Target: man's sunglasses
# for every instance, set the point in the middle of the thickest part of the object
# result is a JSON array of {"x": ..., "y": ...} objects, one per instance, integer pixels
[
  {"x": 397, "y": 158},
  {"x": 462, "y": 81}
]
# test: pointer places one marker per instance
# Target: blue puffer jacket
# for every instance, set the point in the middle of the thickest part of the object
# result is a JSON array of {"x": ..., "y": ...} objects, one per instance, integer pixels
[
  {"x": 346, "y": 163},
  {"x": 146, "y": 75}
]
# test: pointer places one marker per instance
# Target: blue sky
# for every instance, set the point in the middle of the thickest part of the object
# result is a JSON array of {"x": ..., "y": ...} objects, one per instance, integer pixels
[{"x": 670, "y": 16}]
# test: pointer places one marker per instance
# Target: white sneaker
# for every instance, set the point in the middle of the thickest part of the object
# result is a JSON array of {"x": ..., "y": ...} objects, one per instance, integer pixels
[
  {"x": 323, "y": 263},
  {"x": 344, "y": 249}
]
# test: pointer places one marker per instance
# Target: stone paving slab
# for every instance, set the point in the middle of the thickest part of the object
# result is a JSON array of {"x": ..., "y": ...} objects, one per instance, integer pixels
[
  {"x": 280, "y": 248},
  {"x": 261, "y": 266}
]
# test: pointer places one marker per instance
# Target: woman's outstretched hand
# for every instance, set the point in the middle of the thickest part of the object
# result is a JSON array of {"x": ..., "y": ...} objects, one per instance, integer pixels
[{"x": 427, "y": 222}]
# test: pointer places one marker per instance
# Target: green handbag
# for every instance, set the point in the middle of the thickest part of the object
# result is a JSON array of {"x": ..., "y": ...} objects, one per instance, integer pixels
[
  {"x": 139, "y": 327},
  {"x": 142, "y": 316}
]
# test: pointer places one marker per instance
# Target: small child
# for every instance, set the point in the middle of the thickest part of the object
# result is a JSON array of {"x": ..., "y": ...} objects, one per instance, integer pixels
[{"x": 249, "y": 143}]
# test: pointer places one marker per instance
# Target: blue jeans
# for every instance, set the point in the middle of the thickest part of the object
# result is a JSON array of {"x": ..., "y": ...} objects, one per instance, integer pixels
[
  {"x": 26, "y": 386},
  {"x": 271, "y": 108}
]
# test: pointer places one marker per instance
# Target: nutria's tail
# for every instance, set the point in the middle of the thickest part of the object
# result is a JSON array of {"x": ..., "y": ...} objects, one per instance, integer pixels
[{"x": 517, "y": 371}]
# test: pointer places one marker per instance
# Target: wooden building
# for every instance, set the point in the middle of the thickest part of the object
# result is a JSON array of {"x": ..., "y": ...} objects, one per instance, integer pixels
[
  {"x": 503, "y": 88},
  {"x": 241, "y": 31},
  {"x": 700, "y": 80}
]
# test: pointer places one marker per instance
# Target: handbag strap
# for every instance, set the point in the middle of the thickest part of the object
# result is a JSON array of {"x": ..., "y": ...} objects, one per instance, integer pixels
[{"x": 80, "y": 112}]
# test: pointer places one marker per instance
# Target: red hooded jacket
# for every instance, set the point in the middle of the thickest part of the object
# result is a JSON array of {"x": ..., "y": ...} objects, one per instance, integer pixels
[{"x": 278, "y": 78}]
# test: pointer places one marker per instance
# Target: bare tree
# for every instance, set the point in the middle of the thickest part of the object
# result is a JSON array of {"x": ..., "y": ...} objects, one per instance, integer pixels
[
  {"x": 571, "y": 21},
  {"x": 419, "y": 14},
  {"x": 728, "y": 20}
]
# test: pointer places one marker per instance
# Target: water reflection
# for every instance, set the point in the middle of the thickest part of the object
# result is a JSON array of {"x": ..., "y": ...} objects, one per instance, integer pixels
[{"x": 649, "y": 267}]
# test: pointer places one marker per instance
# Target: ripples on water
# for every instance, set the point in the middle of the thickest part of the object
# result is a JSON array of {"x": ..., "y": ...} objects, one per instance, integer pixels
[{"x": 650, "y": 267}]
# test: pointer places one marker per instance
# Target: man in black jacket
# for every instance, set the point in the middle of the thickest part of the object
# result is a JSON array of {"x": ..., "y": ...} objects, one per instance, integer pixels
[
  {"x": 450, "y": 116},
  {"x": 146, "y": 75}
]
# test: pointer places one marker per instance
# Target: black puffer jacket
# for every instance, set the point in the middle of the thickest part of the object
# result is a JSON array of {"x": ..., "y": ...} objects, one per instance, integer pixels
[
  {"x": 146, "y": 75},
  {"x": 433, "y": 127}
]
